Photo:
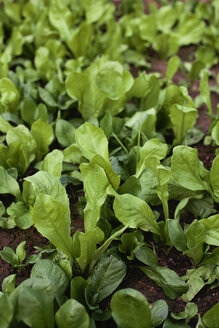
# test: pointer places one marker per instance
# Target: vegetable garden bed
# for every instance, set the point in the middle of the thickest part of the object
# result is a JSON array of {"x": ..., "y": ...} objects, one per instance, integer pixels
[{"x": 109, "y": 164}]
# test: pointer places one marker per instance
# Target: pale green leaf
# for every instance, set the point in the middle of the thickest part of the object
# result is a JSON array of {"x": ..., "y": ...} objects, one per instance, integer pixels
[
  {"x": 187, "y": 169},
  {"x": 6, "y": 311},
  {"x": 135, "y": 213},
  {"x": 182, "y": 118},
  {"x": 95, "y": 185},
  {"x": 43, "y": 134},
  {"x": 52, "y": 163},
  {"x": 65, "y": 133},
  {"x": 52, "y": 220},
  {"x": 130, "y": 309},
  {"x": 88, "y": 243},
  {"x": 92, "y": 141},
  {"x": 46, "y": 269},
  {"x": 8, "y": 185},
  {"x": 72, "y": 314}
]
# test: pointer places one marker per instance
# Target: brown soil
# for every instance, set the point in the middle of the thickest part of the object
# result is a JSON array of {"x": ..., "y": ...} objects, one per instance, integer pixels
[
  {"x": 206, "y": 154},
  {"x": 74, "y": 192}
]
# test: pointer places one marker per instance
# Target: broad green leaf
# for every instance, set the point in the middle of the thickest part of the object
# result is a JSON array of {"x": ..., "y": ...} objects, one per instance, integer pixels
[
  {"x": 214, "y": 177},
  {"x": 190, "y": 311},
  {"x": 166, "y": 44},
  {"x": 180, "y": 207},
  {"x": 130, "y": 309},
  {"x": 7, "y": 223},
  {"x": 52, "y": 220},
  {"x": 151, "y": 98},
  {"x": 196, "y": 68},
  {"x": 212, "y": 258},
  {"x": 141, "y": 85},
  {"x": 190, "y": 29},
  {"x": 170, "y": 324},
  {"x": 205, "y": 91},
  {"x": 9, "y": 96},
  {"x": 172, "y": 67},
  {"x": 152, "y": 149},
  {"x": 20, "y": 251},
  {"x": 46, "y": 97},
  {"x": 215, "y": 133},
  {"x": 146, "y": 256},
  {"x": 102, "y": 87},
  {"x": 65, "y": 133},
  {"x": 177, "y": 235},
  {"x": 130, "y": 243},
  {"x": 44, "y": 183},
  {"x": 163, "y": 174},
  {"x": 211, "y": 225},
  {"x": 113, "y": 80},
  {"x": 80, "y": 49},
  {"x": 131, "y": 186},
  {"x": 195, "y": 285},
  {"x": 8, "y": 255},
  {"x": 6, "y": 311},
  {"x": 159, "y": 312},
  {"x": 66, "y": 266},
  {"x": 8, "y": 285},
  {"x": 195, "y": 237},
  {"x": 211, "y": 318},
  {"x": 15, "y": 156},
  {"x": 95, "y": 185},
  {"x": 143, "y": 121},
  {"x": 110, "y": 173},
  {"x": 43, "y": 134},
  {"x": 21, "y": 214},
  {"x": 88, "y": 243},
  {"x": 72, "y": 154},
  {"x": 187, "y": 169},
  {"x": 99, "y": 252},
  {"x": 4, "y": 125},
  {"x": 78, "y": 285},
  {"x": 207, "y": 55},
  {"x": 35, "y": 307},
  {"x": 92, "y": 141},
  {"x": 104, "y": 279},
  {"x": 167, "y": 16},
  {"x": 61, "y": 18},
  {"x": 135, "y": 213},
  {"x": 29, "y": 110},
  {"x": 172, "y": 285},
  {"x": 196, "y": 280},
  {"x": 106, "y": 124},
  {"x": 75, "y": 90},
  {"x": 94, "y": 9},
  {"x": 8, "y": 185},
  {"x": 46, "y": 269},
  {"x": 52, "y": 163},
  {"x": 20, "y": 136},
  {"x": 182, "y": 118},
  {"x": 72, "y": 314}
]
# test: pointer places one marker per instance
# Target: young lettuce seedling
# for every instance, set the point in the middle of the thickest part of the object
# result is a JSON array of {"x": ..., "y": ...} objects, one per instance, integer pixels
[{"x": 15, "y": 258}]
